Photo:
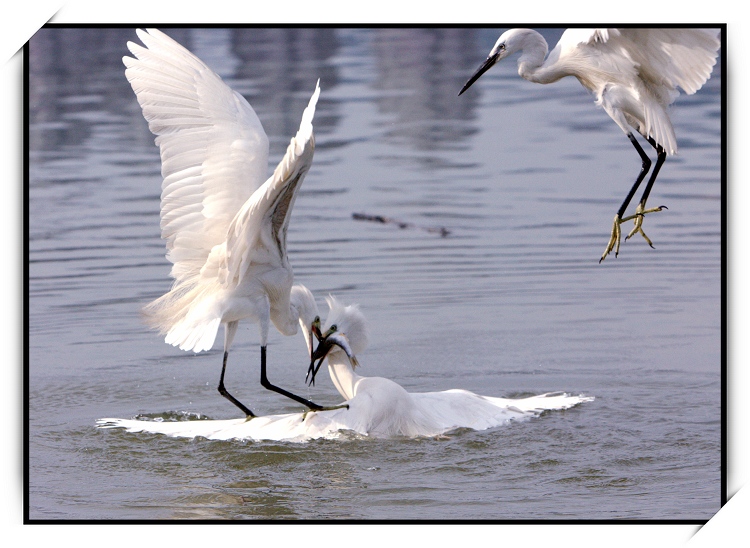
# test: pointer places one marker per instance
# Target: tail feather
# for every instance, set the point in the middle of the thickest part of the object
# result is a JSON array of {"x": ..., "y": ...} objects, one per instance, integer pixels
[
  {"x": 184, "y": 317},
  {"x": 195, "y": 337}
]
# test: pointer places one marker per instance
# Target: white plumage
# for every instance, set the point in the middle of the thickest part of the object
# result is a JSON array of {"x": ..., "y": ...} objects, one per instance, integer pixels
[
  {"x": 225, "y": 228},
  {"x": 634, "y": 74}
]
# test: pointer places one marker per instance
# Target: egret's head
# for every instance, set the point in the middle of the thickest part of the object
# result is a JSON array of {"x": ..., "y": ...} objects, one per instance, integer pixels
[
  {"x": 509, "y": 42},
  {"x": 345, "y": 331}
]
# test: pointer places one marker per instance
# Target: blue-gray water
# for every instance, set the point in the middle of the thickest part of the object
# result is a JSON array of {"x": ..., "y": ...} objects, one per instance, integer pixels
[{"x": 525, "y": 178}]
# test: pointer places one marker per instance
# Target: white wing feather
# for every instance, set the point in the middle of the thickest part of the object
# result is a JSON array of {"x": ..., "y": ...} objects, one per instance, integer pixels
[
  {"x": 190, "y": 314},
  {"x": 661, "y": 59},
  {"x": 438, "y": 413},
  {"x": 216, "y": 216},
  {"x": 214, "y": 151},
  {"x": 258, "y": 232},
  {"x": 672, "y": 56}
]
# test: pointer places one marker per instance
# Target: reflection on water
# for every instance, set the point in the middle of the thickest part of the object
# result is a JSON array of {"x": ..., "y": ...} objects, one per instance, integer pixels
[{"x": 525, "y": 178}]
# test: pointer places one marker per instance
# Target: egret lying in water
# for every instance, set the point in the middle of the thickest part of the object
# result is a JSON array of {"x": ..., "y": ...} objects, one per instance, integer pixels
[
  {"x": 634, "y": 74},
  {"x": 225, "y": 228},
  {"x": 378, "y": 407}
]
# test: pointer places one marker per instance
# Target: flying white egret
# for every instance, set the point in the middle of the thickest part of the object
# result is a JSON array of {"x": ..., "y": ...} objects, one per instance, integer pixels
[
  {"x": 377, "y": 407},
  {"x": 634, "y": 74},
  {"x": 225, "y": 228}
]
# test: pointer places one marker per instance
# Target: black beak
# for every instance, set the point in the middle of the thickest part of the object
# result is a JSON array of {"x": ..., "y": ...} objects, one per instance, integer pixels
[
  {"x": 315, "y": 331},
  {"x": 331, "y": 339},
  {"x": 315, "y": 328},
  {"x": 484, "y": 67},
  {"x": 320, "y": 353}
]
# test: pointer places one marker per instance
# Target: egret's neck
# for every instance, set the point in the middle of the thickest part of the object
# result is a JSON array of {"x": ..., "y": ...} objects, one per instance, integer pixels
[
  {"x": 343, "y": 376},
  {"x": 302, "y": 309},
  {"x": 531, "y": 63}
]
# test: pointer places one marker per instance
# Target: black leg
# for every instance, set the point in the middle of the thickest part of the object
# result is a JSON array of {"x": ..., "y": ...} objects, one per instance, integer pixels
[
  {"x": 264, "y": 382},
  {"x": 641, "y": 209},
  {"x": 614, "y": 239},
  {"x": 227, "y": 395},
  {"x": 661, "y": 156},
  {"x": 645, "y": 166}
]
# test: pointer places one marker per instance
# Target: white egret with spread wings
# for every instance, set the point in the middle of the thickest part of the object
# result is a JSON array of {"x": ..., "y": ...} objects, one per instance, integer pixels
[
  {"x": 225, "y": 228},
  {"x": 634, "y": 74}
]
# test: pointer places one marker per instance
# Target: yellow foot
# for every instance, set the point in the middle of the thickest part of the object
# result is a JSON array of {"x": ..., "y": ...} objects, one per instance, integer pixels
[
  {"x": 614, "y": 238},
  {"x": 342, "y": 406},
  {"x": 638, "y": 221}
]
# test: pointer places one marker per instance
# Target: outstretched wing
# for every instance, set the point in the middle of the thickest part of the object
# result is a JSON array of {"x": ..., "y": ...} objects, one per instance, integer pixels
[
  {"x": 671, "y": 57},
  {"x": 681, "y": 57},
  {"x": 258, "y": 232},
  {"x": 214, "y": 151},
  {"x": 652, "y": 63}
]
